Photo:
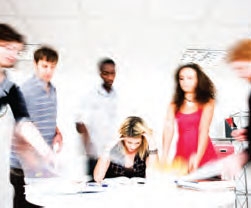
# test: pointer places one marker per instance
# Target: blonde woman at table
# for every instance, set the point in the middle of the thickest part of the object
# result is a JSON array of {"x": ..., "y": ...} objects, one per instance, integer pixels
[
  {"x": 131, "y": 154},
  {"x": 192, "y": 108}
]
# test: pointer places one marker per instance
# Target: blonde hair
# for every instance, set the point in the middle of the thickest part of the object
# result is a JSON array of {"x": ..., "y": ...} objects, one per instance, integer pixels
[
  {"x": 241, "y": 51},
  {"x": 135, "y": 127}
]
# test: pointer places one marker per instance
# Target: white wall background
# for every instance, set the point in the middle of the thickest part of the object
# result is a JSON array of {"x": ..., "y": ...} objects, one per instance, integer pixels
[{"x": 146, "y": 38}]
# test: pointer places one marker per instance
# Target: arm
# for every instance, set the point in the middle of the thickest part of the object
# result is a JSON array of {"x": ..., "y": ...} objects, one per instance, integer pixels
[
  {"x": 27, "y": 131},
  {"x": 57, "y": 142},
  {"x": 24, "y": 128},
  {"x": 104, "y": 160},
  {"x": 17, "y": 104},
  {"x": 240, "y": 134},
  {"x": 101, "y": 167},
  {"x": 82, "y": 129},
  {"x": 203, "y": 135},
  {"x": 153, "y": 156},
  {"x": 168, "y": 131}
]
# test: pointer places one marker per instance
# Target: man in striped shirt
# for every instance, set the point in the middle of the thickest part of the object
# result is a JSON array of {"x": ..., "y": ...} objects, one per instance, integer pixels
[{"x": 41, "y": 101}]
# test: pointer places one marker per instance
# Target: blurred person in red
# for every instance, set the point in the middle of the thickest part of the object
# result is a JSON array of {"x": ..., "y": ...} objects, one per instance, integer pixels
[{"x": 239, "y": 58}]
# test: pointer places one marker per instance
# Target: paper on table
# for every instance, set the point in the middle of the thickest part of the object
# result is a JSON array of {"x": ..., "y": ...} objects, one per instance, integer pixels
[
  {"x": 122, "y": 180},
  {"x": 207, "y": 185}
]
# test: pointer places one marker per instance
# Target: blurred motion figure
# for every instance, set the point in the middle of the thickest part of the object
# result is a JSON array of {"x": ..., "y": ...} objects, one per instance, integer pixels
[
  {"x": 239, "y": 59},
  {"x": 11, "y": 97}
]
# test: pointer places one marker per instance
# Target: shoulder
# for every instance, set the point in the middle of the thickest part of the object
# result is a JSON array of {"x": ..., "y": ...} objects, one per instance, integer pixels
[
  {"x": 172, "y": 105},
  {"x": 209, "y": 104},
  {"x": 7, "y": 85},
  {"x": 171, "y": 108},
  {"x": 27, "y": 85},
  {"x": 15, "y": 89}
]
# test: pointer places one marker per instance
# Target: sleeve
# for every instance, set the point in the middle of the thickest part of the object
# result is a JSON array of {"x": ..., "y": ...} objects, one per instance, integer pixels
[
  {"x": 17, "y": 104},
  {"x": 82, "y": 107}
]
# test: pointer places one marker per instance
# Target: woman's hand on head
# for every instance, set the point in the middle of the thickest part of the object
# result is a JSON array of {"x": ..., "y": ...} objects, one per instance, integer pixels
[{"x": 150, "y": 139}]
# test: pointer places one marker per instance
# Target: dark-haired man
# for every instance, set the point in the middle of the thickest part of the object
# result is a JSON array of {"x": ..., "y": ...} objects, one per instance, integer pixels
[
  {"x": 98, "y": 115},
  {"x": 41, "y": 100}
]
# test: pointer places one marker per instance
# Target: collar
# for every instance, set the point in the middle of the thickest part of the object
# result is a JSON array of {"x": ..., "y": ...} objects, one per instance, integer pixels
[
  {"x": 101, "y": 91},
  {"x": 41, "y": 83}
]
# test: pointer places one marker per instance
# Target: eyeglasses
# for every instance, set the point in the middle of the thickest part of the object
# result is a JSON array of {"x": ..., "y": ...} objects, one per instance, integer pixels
[{"x": 12, "y": 47}]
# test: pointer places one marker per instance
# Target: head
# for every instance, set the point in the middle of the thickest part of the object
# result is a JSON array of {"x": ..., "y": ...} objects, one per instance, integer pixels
[
  {"x": 239, "y": 57},
  {"x": 132, "y": 131},
  {"x": 190, "y": 78},
  {"x": 11, "y": 43},
  {"x": 45, "y": 61},
  {"x": 107, "y": 72}
]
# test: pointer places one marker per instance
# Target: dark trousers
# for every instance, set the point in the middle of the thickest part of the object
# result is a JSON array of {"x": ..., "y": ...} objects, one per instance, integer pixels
[
  {"x": 17, "y": 180},
  {"x": 91, "y": 163}
]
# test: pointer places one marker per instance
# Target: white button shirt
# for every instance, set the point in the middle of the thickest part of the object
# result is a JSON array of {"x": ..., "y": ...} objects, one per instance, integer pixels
[{"x": 98, "y": 111}]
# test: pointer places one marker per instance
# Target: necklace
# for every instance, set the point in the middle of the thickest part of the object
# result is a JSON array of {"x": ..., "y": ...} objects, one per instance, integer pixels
[{"x": 190, "y": 101}]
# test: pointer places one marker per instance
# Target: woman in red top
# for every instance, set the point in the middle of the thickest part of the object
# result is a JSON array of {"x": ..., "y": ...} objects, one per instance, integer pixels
[{"x": 192, "y": 108}]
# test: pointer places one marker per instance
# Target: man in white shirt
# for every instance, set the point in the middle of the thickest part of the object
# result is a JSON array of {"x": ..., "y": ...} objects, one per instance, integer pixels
[{"x": 97, "y": 121}]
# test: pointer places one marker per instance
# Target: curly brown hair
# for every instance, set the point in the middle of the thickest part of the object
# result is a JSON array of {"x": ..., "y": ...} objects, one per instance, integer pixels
[{"x": 204, "y": 91}]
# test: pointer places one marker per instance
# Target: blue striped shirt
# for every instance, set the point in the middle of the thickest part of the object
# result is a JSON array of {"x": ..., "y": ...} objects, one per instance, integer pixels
[{"x": 42, "y": 108}]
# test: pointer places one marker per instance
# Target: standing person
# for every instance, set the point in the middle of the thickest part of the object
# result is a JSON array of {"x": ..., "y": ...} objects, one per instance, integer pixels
[
  {"x": 11, "y": 43},
  {"x": 98, "y": 114},
  {"x": 192, "y": 108},
  {"x": 239, "y": 58},
  {"x": 131, "y": 154},
  {"x": 41, "y": 100}
]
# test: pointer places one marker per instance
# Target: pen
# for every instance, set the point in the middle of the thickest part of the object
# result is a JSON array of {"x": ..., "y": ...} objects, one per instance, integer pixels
[{"x": 97, "y": 184}]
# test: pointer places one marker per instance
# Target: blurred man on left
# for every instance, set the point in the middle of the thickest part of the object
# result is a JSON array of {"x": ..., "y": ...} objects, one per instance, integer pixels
[{"x": 11, "y": 43}]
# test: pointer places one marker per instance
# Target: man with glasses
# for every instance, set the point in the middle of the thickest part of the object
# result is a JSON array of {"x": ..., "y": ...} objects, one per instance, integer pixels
[{"x": 11, "y": 43}]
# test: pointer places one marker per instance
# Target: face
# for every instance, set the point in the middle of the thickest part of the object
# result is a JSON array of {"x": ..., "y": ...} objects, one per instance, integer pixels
[
  {"x": 132, "y": 144},
  {"x": 188, "y": 79},
  {"x": 9, "y": 53},
  {"x": 45, "y": 70},
  {"x": 243, "y": 69},
  {"x": 108, "y": 75}
]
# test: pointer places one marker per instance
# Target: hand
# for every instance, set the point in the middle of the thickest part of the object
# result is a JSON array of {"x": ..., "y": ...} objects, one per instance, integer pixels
[
  {"x": 232, "y": 165},
  {"x": 240, "y": 134},
  {"x": 151, "y": 141},
  {"x": 57, "y": 142},
  {"x": 193, "y": 163}
]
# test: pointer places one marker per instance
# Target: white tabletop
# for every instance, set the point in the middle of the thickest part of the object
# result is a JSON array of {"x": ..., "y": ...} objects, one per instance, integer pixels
[{"x": 55, "y": 193}]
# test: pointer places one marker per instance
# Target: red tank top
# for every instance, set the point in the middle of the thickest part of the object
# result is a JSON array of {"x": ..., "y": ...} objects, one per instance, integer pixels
[{"x": 188, "y": 129}]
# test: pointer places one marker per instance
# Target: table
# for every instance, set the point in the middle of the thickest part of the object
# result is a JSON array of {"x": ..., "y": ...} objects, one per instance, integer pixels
[{"x": 57, "y": 193}]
